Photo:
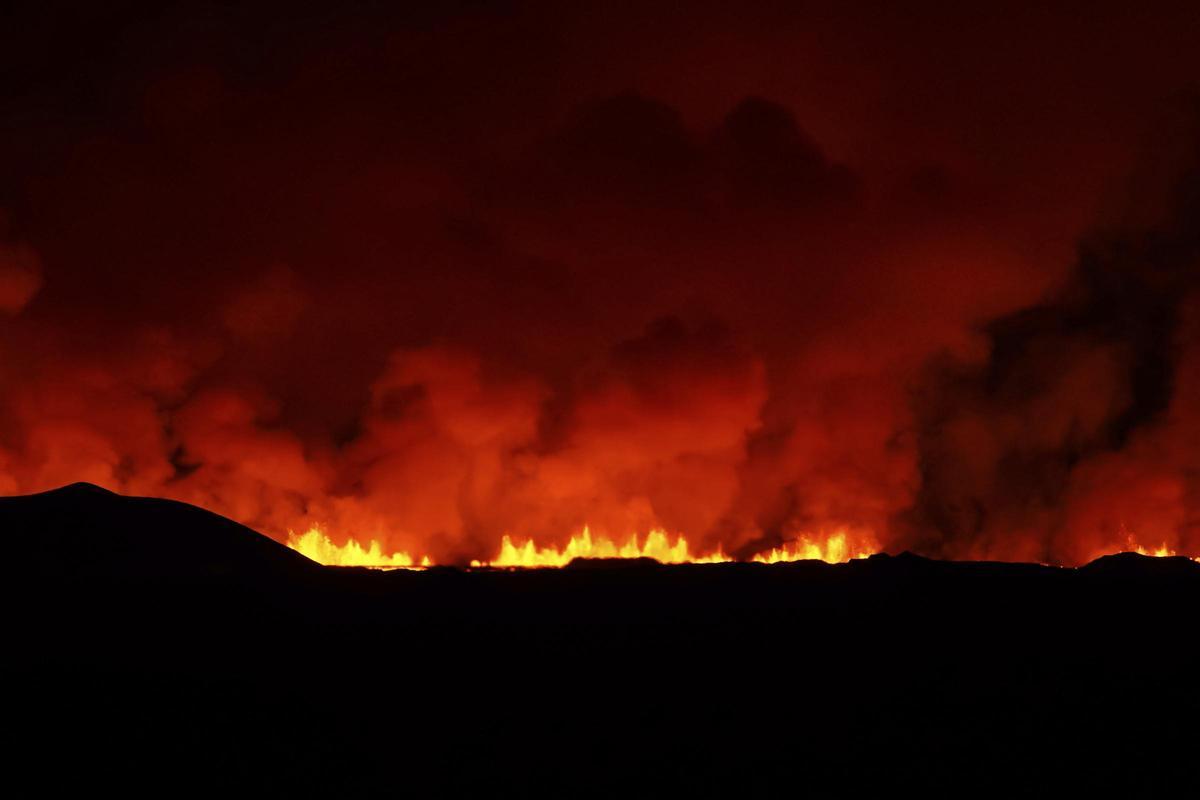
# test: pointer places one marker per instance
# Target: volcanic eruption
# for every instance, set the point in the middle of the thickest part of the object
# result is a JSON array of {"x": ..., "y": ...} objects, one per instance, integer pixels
[
  {"x": 738, "y": 321},
  {"x": 477, "y": 398}
]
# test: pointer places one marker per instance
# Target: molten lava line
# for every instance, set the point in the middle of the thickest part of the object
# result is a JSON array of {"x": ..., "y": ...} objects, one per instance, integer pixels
[
  {"x": 315, "y": 544},
  {"x": 657, "y": 544},
  {"x": 836, "y": 548}
]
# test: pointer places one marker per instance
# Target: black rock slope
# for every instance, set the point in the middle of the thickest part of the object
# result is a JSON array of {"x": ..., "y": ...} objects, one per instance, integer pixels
[
  {"x": 154, "y": 647},
  {"x": 82, "y": 528}
]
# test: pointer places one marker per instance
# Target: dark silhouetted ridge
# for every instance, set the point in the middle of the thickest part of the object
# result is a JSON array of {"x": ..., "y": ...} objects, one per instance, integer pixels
[
  {"x": 155, "y": 644},
  {"x": 85, "y": 529},
  {"x": 1136, "y": 565},
  {"x": 613, "y": 563}
]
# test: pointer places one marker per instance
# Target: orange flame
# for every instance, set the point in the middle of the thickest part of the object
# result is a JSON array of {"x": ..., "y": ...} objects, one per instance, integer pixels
[
  {"x": 1162, "y": 551},
  {"x": 657, "y": 545},
  {"x": 315, "y": 544},
  {"x": 835, "y": 549},
  {"x": 1132, "y": 545},
  {"x": 1159, "y": 552}
]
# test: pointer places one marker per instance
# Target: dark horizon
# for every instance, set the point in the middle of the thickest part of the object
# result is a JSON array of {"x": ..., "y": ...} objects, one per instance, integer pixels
[{"x": 138, "y": 662}]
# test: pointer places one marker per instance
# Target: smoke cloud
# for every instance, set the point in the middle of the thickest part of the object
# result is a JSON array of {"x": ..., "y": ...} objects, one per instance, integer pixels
[
  {"x": 1071, "y": 438},
  {"x": 434, "y": 277}
]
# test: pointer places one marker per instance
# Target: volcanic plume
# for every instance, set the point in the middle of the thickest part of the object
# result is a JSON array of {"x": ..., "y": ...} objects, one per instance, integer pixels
[
  {"x": 1076, "y": 436},
  {"x": 766, "y": 280}
]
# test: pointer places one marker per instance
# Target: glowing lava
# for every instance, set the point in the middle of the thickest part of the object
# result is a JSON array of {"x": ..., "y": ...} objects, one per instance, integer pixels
[
  {"x": 1161, "y": 551},
  {"x": 1132, "y": 545},
  {"x": 657, "y": 545},
  {"x": 1158, "y": 552},
  {"x": 835, "y": 549},
  {"x": 315, "y": 544}
]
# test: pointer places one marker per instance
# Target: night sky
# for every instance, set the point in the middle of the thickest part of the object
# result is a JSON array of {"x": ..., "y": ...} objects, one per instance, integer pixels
[{"x": 927, "y": 274}]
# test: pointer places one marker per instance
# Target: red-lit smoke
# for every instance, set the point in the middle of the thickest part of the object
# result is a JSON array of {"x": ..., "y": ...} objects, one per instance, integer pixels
[{"x": 431, "y": 278}]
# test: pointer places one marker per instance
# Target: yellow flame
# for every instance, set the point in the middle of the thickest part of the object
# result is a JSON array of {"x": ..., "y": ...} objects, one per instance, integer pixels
[
  {"x": 1158, "y": 552},
  {"x": 1162, "y": 551},
  {"x": 315, "y": 544},
  {"x": 1134, "y": 546},
  {"x": 657, "y": 545},
  {"x": 834, "y": 549}
]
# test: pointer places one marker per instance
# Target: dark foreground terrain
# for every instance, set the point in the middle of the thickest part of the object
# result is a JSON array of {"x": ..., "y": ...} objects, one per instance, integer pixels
[{"x": 141, "y": 659}]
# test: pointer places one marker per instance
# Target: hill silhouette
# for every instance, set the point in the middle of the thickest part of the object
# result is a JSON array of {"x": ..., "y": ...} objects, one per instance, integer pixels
[
  {"x": 84, "y": 528},
  {"x": 157, "y": 647}
]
